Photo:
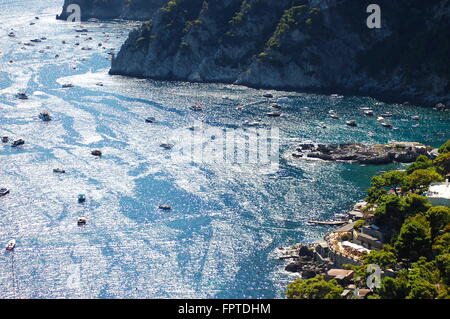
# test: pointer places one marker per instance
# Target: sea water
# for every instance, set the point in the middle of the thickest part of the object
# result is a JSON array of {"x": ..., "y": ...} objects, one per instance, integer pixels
[{"x": 221, "y": 237}]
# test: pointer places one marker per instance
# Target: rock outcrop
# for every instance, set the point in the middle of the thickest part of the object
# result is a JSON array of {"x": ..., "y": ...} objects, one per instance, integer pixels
[
  {"x": 307, "y": 261},
  {"x": 316, "y": 45},
  {"x": 399, "y": 152}
]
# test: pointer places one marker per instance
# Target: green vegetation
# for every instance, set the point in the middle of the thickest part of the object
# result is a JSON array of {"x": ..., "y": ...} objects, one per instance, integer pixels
[
  {"x": 419, "y": 237},
  {"x": 314, "y": 288}
]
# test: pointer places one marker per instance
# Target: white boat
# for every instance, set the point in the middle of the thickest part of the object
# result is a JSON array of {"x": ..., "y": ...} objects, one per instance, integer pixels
[
  {"x": 82, "y": 220},
  {"x": 368, "y": 113},
  {"x": 11, "y": 244},
  {"x": 3, "y": 192},
  {"x": 380, "y": 118},
  {"x": 351, "y": 123},
  {"x": 416, "y": 117}
]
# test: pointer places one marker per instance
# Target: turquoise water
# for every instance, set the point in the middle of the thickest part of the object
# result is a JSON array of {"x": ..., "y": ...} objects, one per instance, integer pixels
[{"x": 221, "y": 236}]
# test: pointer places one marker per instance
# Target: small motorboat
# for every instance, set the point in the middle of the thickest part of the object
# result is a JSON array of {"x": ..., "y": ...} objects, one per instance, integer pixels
[
  {"x": 22, "y": 96},
  {"x": 5, "y": 139},
  {"x": 99, "y": 84},
  {"x": 386, "y": 124},
  {"x": 11, "y": 35},
  {"x": 81, "y": 221},
  {"x": 268, "y": 95},
  {"x": 67, "y": 85},
  {"x": 59, "y": 171},
  {"x": 81, "y": 30},
  {"x": 18, "y": 142},
  {"x": 45, "y": 116},
  {"x": 97, "y": 153},
  {"x": 196, "y": 107},
  {"x": 336, "y": 96},
  {"x": 274, "y": 114},
  {"x": 252, "y": 124},
  {"x": 387, "y": 114},
  {"x": 4, "y": 192},
  {"x": 166, "y": 146},
  {"x": 351, "y": 123},
  {"x": 93, "y": 20},
  {"x": 368, "y": 113},
  {"x": 36, "y": 40},
  {"x": 276, "y": 106},
  {"x": 380, "y": 118},
  {"x": 415, "y": 117},
  {"x": 150, "y": 120},
  {"x": 10, "y": 245},
  {"x": 165, "y": 207},
  {"x": 81, "y": 198},
  {"x": 334, "y": 116}
]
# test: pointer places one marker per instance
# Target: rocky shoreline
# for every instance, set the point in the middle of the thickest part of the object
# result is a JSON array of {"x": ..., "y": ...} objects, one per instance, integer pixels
[
  {"x": 378, "y": 154},
  {"x": 306, "y": 260}
]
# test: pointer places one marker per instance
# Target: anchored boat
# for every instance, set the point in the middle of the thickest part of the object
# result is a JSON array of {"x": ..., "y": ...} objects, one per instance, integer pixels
[
  {"x": 11, "y": 244},
  {"x": 3, "y": 192}
]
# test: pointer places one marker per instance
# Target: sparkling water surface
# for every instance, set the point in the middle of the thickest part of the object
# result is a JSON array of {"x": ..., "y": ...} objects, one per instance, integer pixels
[{"x": 221, "y": 236}]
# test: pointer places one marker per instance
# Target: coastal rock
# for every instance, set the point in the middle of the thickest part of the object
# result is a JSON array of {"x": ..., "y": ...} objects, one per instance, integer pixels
[
  {"x": 378, "y": 154},
  {"x": 317, "y": 46}
]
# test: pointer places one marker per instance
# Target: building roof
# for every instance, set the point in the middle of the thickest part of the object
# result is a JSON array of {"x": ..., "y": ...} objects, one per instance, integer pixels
[
  {"x": 345, "y": 228},
  {"x": 341, "y": 273}
]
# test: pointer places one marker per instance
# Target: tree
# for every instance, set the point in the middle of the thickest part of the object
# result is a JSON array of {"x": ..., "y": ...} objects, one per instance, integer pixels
[
  {"x": 441, "y": 244},
  {"x": 442, "y": 163},
  {"x": 439, "y": 217},
  {"x": 421, "y": 179},
  {"x": 314, "y": 288},
  {"x": 394, "y": 288},
  {"x": 383, "y": 258},
  {"x": 422, "y": 162},
  {"x": 391, "y": 180},
  {"x": 445, "y": 148},
  {"x": 393, "y": 210},
  {"x": 414, "y": 240}
]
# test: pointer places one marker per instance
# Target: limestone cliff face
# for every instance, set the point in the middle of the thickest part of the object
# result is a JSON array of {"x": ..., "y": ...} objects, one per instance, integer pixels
[
  {"x": 321, "y": 45},
  {"x": 114, "y": 9}
]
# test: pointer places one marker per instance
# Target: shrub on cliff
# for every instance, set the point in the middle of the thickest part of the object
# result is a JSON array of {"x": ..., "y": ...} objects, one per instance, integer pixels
[
  {"x": 442, "y": 163},
  {"x": 420, "y": 180},
  {"x": 414, "y": 240},
  {"x": 445, "y": 148},
  {"x": 314, "y": 288}
]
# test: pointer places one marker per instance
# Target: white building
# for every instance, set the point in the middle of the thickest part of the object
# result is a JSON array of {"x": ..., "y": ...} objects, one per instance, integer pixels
[{"x": 439, "y": 194}]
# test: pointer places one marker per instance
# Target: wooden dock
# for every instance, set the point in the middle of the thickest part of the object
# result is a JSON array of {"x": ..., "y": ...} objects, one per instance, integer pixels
[{"x": 329, "y": 223}]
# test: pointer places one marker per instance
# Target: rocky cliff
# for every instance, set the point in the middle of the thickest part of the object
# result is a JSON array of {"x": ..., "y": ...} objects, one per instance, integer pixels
[
  {"x": 114, "y": 9},
  {"x": 318, "y": 45}
]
